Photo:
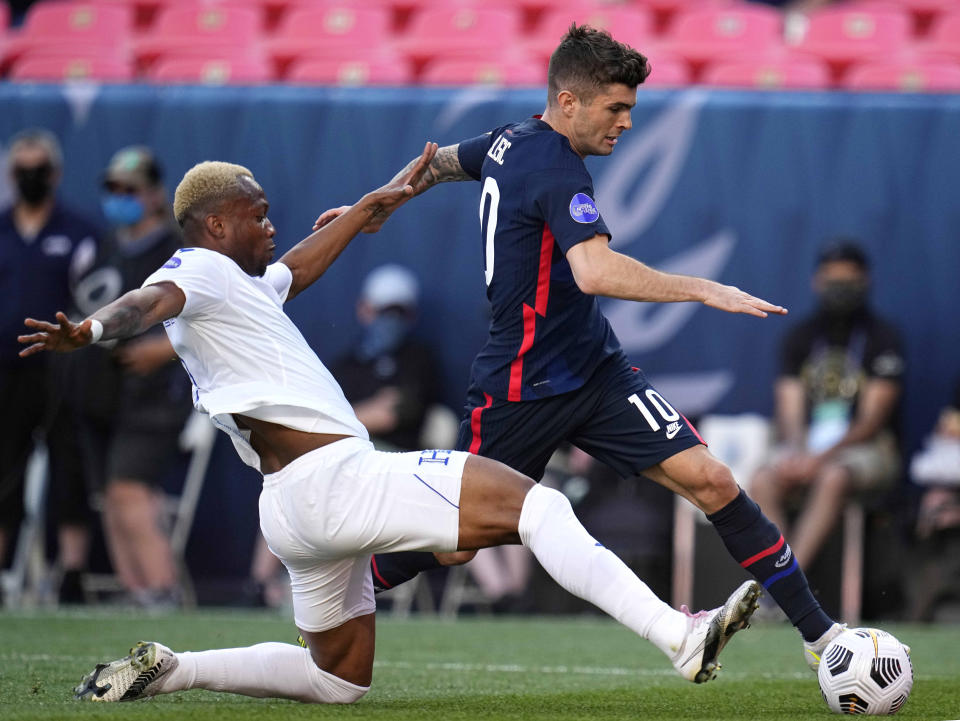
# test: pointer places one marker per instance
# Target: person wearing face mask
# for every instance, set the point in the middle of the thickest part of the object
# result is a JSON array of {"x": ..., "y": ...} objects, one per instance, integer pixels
[
  {"x": 44, "y": 248},
  {"x": 836, "y": 404},
  {"x": 131, "y": 399}
]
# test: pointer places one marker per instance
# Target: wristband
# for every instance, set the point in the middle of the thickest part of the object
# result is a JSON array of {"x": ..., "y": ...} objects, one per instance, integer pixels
[{"x": 96, "y": 331}]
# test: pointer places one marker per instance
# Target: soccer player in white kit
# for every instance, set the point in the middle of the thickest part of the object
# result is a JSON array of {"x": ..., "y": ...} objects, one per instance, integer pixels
[{"x": 329, "y": 499}]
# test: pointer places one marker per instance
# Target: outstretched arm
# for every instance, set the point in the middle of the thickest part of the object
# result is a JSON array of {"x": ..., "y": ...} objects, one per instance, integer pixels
[
  {"x": 310, "y": 258},
  {"x": 443, "y": 168},
  {"x": 128, "y": 315},
  {"x": 598, "y": 270}
]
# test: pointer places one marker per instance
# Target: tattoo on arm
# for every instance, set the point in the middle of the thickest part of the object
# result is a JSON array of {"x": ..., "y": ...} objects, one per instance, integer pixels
[
  {"x": 444, "y": 168},
  {"x": 122, "y": 322}
]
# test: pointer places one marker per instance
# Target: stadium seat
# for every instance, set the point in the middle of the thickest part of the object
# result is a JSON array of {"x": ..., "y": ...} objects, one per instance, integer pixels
[
  {"x": 103, "y": 67},
  {"x": 337, "y": 31},
  {"x": 906, "y": 76},
  {"x": 706, "y": 34},
  {"x": 633, "y": 25},
  {"x": 769, "y": 72},
  {"x": 842, "y": 36},
  {"x": 666, "y": 11},
  {"x": 944, "y": 37},
  {"x": 668, "y": 71},
  {"x": 197, "y": 30},
  {"x": 484, "y": 72},
  {"x": 923, "y": 12},
  {"x": 460, "y": 31},
  {"x": 371, "y": 71},
  {"x": 65, "y": 25},
  {"x": 216, "y": 70},
  {"x": 4, "y": 17}
]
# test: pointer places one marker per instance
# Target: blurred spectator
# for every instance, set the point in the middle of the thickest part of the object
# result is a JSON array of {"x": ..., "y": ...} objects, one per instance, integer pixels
[
  {"x": 44, "y": 247},
  {"x": 937, "y": 469},
  {"x": 836, "y": 405},
  {"x": 131, "y": 401},
  {"x": 390, "y": 379}
]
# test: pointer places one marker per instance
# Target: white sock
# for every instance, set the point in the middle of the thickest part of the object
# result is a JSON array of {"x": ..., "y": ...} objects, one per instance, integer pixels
[
  {"x": 275, "y": 670},
  {"x": 586, "y": 569}
]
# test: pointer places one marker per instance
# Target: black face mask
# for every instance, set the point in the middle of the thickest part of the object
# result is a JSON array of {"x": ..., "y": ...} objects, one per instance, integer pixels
[
  {"x": 35, "y": 185},
  {"x": 842, "y": 299}
]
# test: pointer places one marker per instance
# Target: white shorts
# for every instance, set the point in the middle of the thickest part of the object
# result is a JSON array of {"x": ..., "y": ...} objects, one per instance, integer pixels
[{"x": 325, "y": 513}]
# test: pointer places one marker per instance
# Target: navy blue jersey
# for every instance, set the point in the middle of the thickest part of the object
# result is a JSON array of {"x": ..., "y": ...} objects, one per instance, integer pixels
[{"x": 546, "y": 335}]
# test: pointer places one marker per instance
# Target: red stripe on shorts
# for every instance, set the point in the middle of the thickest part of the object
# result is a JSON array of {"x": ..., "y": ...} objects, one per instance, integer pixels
[{"x": 475, "y": 423}]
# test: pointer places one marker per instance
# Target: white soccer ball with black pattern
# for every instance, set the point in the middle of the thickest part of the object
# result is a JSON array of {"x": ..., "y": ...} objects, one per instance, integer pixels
[{"x": 865, "y": 671}]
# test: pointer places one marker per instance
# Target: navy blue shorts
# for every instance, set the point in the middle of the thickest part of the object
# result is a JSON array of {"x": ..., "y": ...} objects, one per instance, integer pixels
[{"x": 616, "y": 416}]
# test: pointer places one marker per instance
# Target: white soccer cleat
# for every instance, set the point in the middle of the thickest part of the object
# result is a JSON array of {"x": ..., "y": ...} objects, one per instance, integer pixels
[
  {"x": 813, "y": 650},
  {"x": 130, "y": 678},
  {"x": 709, "y": 631}
]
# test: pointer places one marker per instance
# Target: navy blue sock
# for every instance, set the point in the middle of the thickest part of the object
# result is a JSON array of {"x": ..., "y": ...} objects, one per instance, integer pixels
[
  {"x": 758, "y": 546},
  {"x": 391, "y": 569}
]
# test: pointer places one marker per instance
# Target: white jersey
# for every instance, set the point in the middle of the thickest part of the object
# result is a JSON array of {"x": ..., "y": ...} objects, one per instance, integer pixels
[{"x": 244, "y": 355}]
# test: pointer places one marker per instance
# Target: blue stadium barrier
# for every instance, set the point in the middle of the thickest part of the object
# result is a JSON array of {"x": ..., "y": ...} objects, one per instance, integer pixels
[{"x": 742, "y": 187}]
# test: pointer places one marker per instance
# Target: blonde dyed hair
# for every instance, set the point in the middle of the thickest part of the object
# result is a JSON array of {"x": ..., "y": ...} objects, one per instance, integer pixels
[{"x": 206, "y": 183}]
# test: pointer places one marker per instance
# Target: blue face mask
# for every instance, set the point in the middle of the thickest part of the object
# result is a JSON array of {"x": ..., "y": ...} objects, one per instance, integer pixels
[
  {"x": 122, "y": 209},
  {"x": 383, "y": 336}
]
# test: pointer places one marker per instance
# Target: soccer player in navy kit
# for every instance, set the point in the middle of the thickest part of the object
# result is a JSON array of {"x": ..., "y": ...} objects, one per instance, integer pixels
[{"x": 552, "y": 369}]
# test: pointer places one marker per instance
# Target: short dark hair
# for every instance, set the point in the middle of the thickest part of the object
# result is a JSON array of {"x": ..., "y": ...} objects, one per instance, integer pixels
[
  {"x": 588, "y": 59},
  {"x": 844, "y": 249}
]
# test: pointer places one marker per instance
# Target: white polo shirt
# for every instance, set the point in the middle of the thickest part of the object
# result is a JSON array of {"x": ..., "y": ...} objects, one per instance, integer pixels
[{"x": 244, "y": 355}]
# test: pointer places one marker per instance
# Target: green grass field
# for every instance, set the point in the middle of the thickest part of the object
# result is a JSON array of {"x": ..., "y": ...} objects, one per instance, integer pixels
[{"x": 520, "y": 668}]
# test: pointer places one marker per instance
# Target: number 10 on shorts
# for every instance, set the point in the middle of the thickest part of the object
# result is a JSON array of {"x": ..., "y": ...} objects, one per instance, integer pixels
[{"x": 666, "y": 411}]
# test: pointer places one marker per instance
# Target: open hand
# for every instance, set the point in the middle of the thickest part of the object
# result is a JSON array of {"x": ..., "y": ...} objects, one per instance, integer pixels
[
  {"x": 60, "y": 337},
  {"x": 734, "y": 300},
  {"x": 383, "y": 201}
]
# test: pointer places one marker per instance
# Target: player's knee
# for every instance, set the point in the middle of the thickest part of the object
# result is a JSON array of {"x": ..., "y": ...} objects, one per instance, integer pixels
[
  {"x": 540, "y": 503},
  {"x": 717, "y": 487},
  {"x": 327, "y": 688}
]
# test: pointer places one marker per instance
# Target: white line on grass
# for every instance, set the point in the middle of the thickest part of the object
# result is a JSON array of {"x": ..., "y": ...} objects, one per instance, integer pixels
[{"x": 460, "y": 667}]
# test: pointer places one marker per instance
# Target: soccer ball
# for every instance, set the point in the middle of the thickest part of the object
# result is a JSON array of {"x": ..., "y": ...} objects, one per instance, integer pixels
[{"x": 865, "y": 671}]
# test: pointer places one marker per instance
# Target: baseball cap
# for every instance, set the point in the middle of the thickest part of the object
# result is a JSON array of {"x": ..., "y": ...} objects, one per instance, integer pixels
[
  {"x": 390, "y": 285},
  {"x": 843, "y": 249},
  {"x": 133, "y": 165}
]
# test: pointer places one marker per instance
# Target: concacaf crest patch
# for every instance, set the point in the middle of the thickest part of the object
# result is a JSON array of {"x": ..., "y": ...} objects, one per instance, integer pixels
[{"x": 583, "y": 209}]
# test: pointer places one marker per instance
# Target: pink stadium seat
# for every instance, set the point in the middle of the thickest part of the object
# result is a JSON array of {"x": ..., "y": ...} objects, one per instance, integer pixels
[
  {"x": 929, "y": 76},
  {"x": 460, "y": 31},
  {"x": 769, "y": 73},
  {"x": 944, "y": 36},
  {"x": 76, "y": 66},
  {"x": 70, "y": 25},
  {"x": 666, "y": 11},
  {"x": 843, "y": 35},
  {"x": 484, "y": 72},
  {"x": 707, "y": 34},
  {"x": 191, "y": 30},
  {"x": 388, "y": 71},
  {"x": 669, "y": 71},
  {"x": 923, "y": 12},
  {"x": 337, "y": 31},
  {"x": 222, "y": 70},
  {"x": 4, "y": 17},
  {"x": 632, "y": 25}
]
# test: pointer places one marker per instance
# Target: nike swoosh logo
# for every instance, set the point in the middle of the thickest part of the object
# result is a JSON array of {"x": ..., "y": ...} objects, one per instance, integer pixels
[{"x": 675, "y": 431}]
